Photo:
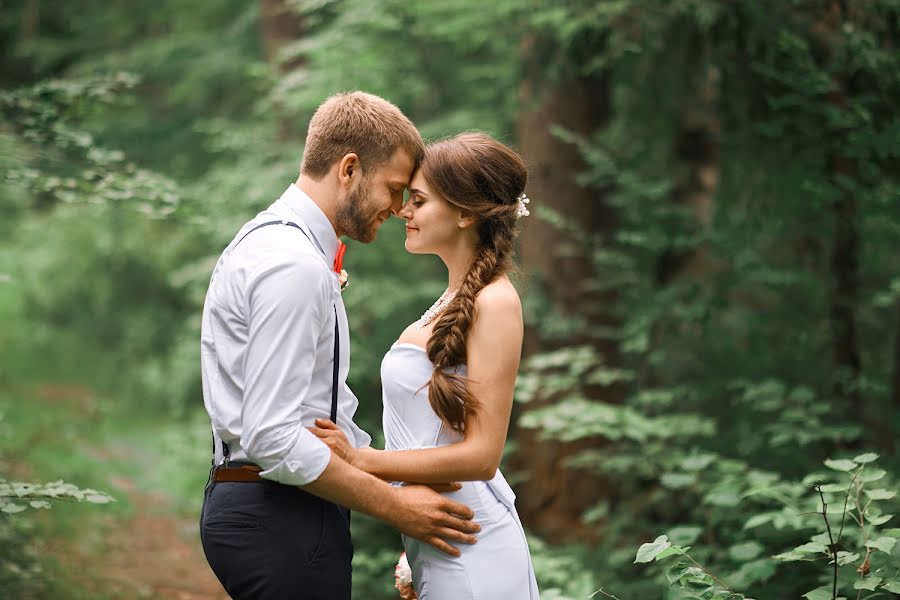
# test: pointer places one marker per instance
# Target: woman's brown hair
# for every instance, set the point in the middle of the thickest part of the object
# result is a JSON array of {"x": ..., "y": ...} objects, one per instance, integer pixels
[{"x": 477, "y": 173}]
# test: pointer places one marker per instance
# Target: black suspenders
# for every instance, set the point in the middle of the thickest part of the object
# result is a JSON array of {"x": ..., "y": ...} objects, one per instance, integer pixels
[{"x": 337, "y": 343}]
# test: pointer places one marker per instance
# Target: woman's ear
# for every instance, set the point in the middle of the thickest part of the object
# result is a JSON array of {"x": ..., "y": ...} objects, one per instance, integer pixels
[
  {"x": 348, "y": 168},
  {"x": 466, "y": 218}
]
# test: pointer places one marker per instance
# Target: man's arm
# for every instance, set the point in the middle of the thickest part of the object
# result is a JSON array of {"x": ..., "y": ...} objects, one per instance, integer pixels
[{"x": 417, "y": 511}]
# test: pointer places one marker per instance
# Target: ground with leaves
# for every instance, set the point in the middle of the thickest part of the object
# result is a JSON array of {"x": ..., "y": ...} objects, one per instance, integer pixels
[
  {"x": 151, "y": 554},
  {"x": 142, "y": 544}
]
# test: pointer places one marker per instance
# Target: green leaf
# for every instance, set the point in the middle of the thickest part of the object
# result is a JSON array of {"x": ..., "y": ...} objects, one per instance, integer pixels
[
  {"x": 872, "y": 475},
  {"x": 39, "y": 504},
  {"x": 791, "y": 556},
  {"x": 697, "y": 462},
  {"x": 833, "y": 488},
  {"x": 12, "y": 508},
  {"x": 841, "y": 465},
  {"x": 811, "y": 548},
  {"x": 867, "y": 583},
  {"x": 685, "y": 534},
  {"x": 881, "y": 494},
  {"x": 845, "y": 558},
  {"x": 678, "y": 480},
  {"x": 746, "y": 551},
  {"x": 648, "y": 552},
  {"x": 892, "y": 586},
  {"x": 821, "y": 593},
  {"x": 880, "y": 520},
  {"x": 865, "y": 458},
  {"x": 98, "y": 498},
  {"x": 884, "y": 543},
  {"x": 672, "y": 550},
  {"x": 757, "y": 520},
  {"x": 722, "y": 497}
]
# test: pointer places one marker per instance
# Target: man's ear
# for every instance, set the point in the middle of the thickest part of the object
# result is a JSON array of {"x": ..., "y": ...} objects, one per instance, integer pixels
[
  {"x": 348, "y": 168},
  {"x": 466, "y": 218}
]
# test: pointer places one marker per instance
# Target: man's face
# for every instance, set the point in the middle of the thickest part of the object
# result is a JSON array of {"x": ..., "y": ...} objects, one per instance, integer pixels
[{"x": 376, "y": 196}]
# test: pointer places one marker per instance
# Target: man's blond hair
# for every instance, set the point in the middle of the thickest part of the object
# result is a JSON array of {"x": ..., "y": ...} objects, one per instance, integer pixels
[{"x": 361, "y": 123}]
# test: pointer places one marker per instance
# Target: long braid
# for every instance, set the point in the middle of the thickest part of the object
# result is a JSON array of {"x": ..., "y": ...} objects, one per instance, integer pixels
[
  {"x": 481, "y": 175},
  {"x": 448, "y": 394}
]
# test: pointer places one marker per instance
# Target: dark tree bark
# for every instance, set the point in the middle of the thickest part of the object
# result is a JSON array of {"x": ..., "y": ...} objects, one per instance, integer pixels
[
  {"x": 30, "y": 19},
  {"x": 844, "y": 292},
  {"x": 554, "y": 497},
  {"x": 844, "y": 260},
  {"x": 891, "y": 441},
  {"x": 696, "y": 154},
  {"x": 279, "y": 26}
]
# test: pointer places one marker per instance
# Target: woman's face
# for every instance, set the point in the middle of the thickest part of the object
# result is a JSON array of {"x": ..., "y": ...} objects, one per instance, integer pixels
[{"x": 432, "y": 223}]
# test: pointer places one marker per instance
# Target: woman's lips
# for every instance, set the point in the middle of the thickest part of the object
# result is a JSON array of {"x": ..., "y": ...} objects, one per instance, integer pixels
[{"x": 408, "y": 228}]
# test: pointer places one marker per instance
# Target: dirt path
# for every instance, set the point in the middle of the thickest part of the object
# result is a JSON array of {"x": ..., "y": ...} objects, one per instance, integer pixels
[
  {"x": 151, "y": 554},
  {"x": 154, "y": 553}
]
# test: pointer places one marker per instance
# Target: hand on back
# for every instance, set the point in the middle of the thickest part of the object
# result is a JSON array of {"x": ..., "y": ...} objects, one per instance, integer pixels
[{"x": 434, "y": 519}]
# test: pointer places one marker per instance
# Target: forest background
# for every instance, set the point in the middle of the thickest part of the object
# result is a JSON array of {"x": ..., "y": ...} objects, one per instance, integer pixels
[{"x": 711, "y": 272}]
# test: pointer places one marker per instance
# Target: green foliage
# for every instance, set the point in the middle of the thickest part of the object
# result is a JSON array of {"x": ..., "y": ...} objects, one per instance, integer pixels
[
  {"x": 137, "y": 138},
  {"x": 18, "y": 496},
  {"x": 730, "y": 383},
  {"x": 865, "y": 561}
]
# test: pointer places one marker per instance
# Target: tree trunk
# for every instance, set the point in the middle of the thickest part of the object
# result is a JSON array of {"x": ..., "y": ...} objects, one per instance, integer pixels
[
  {"x": 553, "y": 498},
  {"x": 696, "y": 153},
  {"x": 30, "y": 19},
  {"x": 844, "y": 263},
  {"x": 894, "y": 409},
  {"x": 844, "y": 291},
  {"x": 279, "y": 26}
]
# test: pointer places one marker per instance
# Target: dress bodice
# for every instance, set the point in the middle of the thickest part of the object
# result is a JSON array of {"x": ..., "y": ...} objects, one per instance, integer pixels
[{"x": 409, "y": 421}]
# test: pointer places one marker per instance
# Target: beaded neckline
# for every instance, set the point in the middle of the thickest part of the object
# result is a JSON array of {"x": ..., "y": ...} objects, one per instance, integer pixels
[{"x": 437, "y": 308}]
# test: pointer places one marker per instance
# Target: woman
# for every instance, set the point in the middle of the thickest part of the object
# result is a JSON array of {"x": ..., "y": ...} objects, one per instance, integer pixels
[{"x": 448, "y": 380}]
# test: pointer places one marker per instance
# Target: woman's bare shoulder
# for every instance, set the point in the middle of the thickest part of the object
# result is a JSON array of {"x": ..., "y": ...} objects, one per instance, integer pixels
[{"x": 500, "y": 294}]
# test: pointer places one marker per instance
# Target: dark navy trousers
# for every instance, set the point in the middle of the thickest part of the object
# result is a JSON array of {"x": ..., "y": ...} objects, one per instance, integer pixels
[{"x": 269, "y": 541}]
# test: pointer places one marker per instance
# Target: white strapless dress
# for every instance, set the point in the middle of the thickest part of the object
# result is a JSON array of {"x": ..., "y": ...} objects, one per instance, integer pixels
[{"x": 498, "y": 566}]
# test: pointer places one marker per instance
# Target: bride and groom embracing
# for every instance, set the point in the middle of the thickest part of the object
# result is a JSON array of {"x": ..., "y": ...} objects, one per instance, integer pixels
[{"x": 289, "y": 462}]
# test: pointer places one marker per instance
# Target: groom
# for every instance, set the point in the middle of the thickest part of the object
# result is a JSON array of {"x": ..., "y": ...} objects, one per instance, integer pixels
[{"x": 275, "y": 522}]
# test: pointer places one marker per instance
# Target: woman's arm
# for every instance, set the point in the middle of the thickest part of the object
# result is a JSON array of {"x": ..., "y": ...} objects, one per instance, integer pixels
[{"x": 493, "y": 351}]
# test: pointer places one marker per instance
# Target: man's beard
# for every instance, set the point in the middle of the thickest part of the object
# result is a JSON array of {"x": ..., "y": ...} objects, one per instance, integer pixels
[{"x": 355, "y": 216}]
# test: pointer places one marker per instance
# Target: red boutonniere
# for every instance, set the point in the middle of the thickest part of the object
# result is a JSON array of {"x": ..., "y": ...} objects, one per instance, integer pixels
[{"x": 343, "y": 277}]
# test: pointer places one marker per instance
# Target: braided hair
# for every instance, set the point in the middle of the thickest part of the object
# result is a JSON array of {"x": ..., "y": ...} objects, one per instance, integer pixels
[{"x": 477, "y": 173}]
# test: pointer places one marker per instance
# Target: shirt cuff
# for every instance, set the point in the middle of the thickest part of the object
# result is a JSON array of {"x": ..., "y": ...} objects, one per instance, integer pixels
[{"x": 304, "y": 462}]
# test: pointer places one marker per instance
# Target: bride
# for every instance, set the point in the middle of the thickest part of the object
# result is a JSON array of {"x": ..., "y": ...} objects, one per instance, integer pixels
[{"x": 448, "y": 380}]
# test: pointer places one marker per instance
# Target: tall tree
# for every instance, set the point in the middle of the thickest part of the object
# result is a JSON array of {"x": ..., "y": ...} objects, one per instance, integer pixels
[
  {"x": 695, "y": 153},
  {"x": 280, "y": 26},
  {"x": 554, "y": 496},
  {"x": 845, "y": 247}
]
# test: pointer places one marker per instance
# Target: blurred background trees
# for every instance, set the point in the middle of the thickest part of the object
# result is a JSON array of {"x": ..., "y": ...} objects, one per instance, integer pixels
[{"x": 711, "y": 271}]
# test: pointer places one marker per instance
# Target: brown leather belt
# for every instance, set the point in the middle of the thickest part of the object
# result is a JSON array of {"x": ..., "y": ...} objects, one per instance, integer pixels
[{"x": 241, "y": 473}]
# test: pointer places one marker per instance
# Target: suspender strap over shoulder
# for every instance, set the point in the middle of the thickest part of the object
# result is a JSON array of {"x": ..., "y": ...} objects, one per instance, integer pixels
[
  {"x": 334, "y": 369},
  {"x": 337, "y": 344}
]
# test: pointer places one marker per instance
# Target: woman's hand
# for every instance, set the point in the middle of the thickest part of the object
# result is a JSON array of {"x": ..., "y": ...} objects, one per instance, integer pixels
[{"x": 332, "y": 435}]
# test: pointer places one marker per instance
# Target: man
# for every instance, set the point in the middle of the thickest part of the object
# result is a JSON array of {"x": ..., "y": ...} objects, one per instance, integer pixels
[{"x": 274, "y": 358}]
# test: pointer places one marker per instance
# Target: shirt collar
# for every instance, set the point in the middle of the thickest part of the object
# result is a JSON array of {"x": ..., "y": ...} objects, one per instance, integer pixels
[{"x": 313, "y": 217}]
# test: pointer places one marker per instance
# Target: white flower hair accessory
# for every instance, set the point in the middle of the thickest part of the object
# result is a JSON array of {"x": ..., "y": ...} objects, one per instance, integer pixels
[{"x": 522, "y": 209}]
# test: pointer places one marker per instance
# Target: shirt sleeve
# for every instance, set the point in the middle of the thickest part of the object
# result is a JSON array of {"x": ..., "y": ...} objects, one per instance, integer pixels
[{"x": 287, "y": 304}]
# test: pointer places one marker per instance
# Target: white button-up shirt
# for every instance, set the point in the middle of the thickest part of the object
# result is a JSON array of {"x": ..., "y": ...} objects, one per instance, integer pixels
[{"x": 267, "y": 343}]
